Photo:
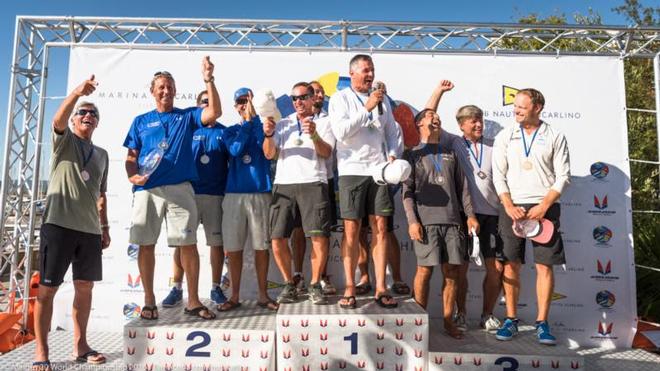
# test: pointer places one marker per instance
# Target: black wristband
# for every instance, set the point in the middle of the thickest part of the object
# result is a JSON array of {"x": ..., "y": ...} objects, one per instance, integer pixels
[{"x": 269, "y": 136}]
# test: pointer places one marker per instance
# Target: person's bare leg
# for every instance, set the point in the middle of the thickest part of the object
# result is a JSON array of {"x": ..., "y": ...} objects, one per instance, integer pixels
[
  {"x": 545, "y": 284},
  {"x": 349, "y": 253},
  {"x": 190, "y": 263},
  {"x": 43, "y": 314},
  {"x": 449, "y": 293},
  {"x": 394, "y": 256},
  {"x": 261, "y": 258},
  {"x": 217, "y": 257},
  {"x": 299, "y": 245},
  {"x": 235, "y": 265},
  {"x": 492, "y": 284},
  {"x": 462, "y": 288},
  {"x": 282, "y": 256},
  {"x": 82, "y": 306},
  {"x": 511, "y": 285},
  {"x": 319, "y": 257},
  {"x": 177, "y": 267},
  {"x": 146, "y": 264},
  {"x": 422, "y": 285},
  {"x": 363, "y": 256},
  {"x": 379, "y": 253}
]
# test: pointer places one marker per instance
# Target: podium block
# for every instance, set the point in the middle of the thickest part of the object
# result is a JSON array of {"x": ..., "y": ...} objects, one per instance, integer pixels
[
  {"x": 480, "y": 351},
  {"x": 233, "y": 341},
  {"x": 327, "y": 337}
]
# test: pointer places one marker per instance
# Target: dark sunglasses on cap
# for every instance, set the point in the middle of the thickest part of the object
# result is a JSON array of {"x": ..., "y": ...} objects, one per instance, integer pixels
[
  {"x": 162, "y": 73},
  {"x": 204, "y": 101},
  {"x": 241, "y": 100},
  {"x": 83, "y": 112},
  {"x": 299, "y": 97}
]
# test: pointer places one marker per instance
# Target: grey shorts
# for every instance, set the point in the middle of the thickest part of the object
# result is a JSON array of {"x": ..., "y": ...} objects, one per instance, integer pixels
[
  {"x": 174, "y": 203},
  {"x": 307, "y": 202},
  {"x": 209, "y": 208},
  {"x": 245, "y": 216},
  {"x": 441, "y": 243},
  {"x": 360, "y": 196},
  {"x": 551, "y": 253}
]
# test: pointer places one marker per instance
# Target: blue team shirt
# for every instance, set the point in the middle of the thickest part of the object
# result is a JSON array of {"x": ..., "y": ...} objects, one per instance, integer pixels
[
  {"x": 178, "y": 125},
  {"x": 212, "y": 175},
  {"x": 249, "y": 170}
]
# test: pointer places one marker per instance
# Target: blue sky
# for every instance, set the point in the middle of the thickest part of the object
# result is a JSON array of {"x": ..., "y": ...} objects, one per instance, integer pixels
[{"x": 502, "y": 11}]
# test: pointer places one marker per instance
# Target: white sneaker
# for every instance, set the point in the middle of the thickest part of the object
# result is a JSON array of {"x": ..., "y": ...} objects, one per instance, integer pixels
[
  {"x": 490, "y": 323},
  {"x": 459, "y": 321},
  {"x": 328, "y": 288}
]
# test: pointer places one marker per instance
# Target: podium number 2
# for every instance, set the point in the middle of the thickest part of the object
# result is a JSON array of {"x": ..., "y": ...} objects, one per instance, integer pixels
[
  {"x": 513, "y": 363},
  {"x": 353, "y": 339},
  {"x": 206, "y": 340}
]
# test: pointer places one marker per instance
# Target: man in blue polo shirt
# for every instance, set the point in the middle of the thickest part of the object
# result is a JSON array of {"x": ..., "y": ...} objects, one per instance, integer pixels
[
  {"x": 211, "y": 161},
  {"x": 158, "y": 162},
  {"x": 247, "y": 200}
]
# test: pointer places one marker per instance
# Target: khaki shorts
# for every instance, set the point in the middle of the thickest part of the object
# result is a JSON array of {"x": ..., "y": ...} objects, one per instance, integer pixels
[
  {"x": 209, "y": 208},
  {"x": 176, "y": 204},
  {"x": 245, "y": 215}
]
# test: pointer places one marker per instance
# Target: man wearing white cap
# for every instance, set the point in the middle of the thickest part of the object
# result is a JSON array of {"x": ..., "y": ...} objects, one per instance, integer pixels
[
  {"x": 301, "y": 144},
  {"x": 530, "y": 170},
  {"x": 366, "y": 135}
]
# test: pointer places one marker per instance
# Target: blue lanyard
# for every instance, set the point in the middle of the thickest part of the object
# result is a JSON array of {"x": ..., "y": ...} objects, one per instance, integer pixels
[
  {"x": 89, "y": 157},
  {"x": 371, "y": 115},
  {"x": 437, "y": 159},
  {"x": 166, "y": 128},
  {"x": 299, "y": 129},
  {"x": 479, "y": 161},
  {"x": 528, "y": 150}
]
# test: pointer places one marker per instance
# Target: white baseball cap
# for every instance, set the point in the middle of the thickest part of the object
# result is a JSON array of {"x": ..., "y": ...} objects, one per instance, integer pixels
[{"x": 393, "y": 172}]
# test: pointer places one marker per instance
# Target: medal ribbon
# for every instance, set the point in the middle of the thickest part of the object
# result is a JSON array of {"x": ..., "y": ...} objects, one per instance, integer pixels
[
  {"x": 528, "y": 150},
  {"x": 299, "y": 129},
  {"x": 166, "y": 128},
  {"x": 479, "y": 160},
  {"x": 89, "y": 157},
  {"x": 438, "y": 156}
]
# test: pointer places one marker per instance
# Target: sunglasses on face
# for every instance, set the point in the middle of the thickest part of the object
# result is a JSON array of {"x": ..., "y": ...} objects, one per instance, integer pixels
[
  {"x": 241, "y": 101},
  {"x": 83, "y": 112},
  {"x": 204, "y": 101},
  {"x": 162, "y": 73},
  {"x": 299, "y": 97}
]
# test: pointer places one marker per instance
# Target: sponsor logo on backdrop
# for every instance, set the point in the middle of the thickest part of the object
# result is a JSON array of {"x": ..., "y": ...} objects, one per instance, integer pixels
[
  {"x": 602, "y": 235},
  {"x": 605, "y": 299},
  {"x": 559, "y": 326},
  {"x": 557, "y": 300},
  {"x": 118, "y": 95},
  {"x": 599, "y": 170},
  {"x": 604, "y": 271},
  {"x": 604, "y": 331},
  {"x": 131, "y": 310},
  {"x": 133, "y": 282},
  {"x": 601, "y": 207},
  {"x": 508, "y": 95},
  {"x": 132, "y": 251}
]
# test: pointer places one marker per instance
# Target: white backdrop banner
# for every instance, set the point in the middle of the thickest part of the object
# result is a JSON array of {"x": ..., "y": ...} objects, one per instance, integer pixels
[{"x": 594, "y": 300}]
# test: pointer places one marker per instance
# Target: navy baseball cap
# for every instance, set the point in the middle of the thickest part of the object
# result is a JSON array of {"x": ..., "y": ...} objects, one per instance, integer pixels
[{"x": 241, "y": 92}]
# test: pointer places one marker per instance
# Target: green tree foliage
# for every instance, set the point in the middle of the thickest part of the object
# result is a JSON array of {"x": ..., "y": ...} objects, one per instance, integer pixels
[{"x": 642, "y": 141}]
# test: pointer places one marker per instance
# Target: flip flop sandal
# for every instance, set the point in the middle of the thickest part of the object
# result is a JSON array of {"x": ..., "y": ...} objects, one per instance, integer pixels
[
  {"x": 198, "y": 312},
  {"x": 381, "y": 301},
  {"x": 351, "y": 302},
  {"x": 91, "y": 358},
  {"x": 363, "y": 288},
  {"x": 149, "y": 309},
  {"x": 228, "y": 305},
  {"x": 400, "y": 288},
  {"x": 270, "y": 305},
  {"x": 41, "y": 366}
]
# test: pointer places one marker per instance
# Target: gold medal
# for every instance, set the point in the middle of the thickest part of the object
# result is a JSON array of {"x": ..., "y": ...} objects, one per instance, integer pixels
[{"x": 527, "y": 165}]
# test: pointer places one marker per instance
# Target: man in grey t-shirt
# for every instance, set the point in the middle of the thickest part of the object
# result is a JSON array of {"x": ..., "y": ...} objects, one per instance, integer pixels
[{"x": 75, "y": 228}]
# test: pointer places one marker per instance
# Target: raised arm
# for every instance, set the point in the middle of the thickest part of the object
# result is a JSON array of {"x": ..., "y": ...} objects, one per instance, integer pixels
[
  {"x": 214, "y": 110},
  {"x": 60, "y": 121},
  {"x": 434, "y": 99}
]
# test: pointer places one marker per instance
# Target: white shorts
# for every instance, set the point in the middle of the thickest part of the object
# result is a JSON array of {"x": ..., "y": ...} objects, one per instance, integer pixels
[
  {"x": 246, "y": 215},
  {"x": 175, "y": 203},
  {"x": 209, "y": 209}
]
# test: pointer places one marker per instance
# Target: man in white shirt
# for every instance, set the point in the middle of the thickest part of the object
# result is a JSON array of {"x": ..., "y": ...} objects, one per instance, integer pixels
[
  {"x": 301, "y": 144},
  {"x": 366, "y": 135},
  {"x": 530, "y": 170}
]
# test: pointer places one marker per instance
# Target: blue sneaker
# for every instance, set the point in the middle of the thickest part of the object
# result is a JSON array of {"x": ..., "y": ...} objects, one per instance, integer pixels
[
  {"x": 174, "y": 298},
  {"x": 544, "y": 335},
  {"x": 218, "y": 296},
  {"x": 508, "y": 330}
]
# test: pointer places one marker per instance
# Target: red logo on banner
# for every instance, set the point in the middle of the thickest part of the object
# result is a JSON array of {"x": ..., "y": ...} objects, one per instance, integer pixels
[
  {"x": 151, "y": 334},
  {"x": 476, "y": 361},
  {"x": 361, "y": 323},
  {"x": 324, "y": 351},
  {"x": 285, "y": 323},
  {"x": 342, "y": 323},
  {"x": 226, "y": 352},
  {"x": 324, "y": 337},
  {"x": 304, "y": 352},
  {"x": 169, "y": 336},
  {"x": 130, "y": 351},
  {"x": 264, "y": 338},
  {"x": 304, "y": 337},
  {"x": 305, "y": 368},
  {"x": 129, "y": 367},
  {"x": 419, "y": 353},
  {"x": 605, "y": 329},
  {"x": 286, "y": 338},
  {"x": 420, "y": 368},
  {"x": 380, "y": 365},
  {"x": 380, "y": 350},
  {"x": 206, "y": 368},
  {"x": 575, "y": 365},
  {"x": 226, "y": 337},
  {"x": 419, "y": 337},
  {"x": 323, "y": 323},
  {"x": 398, "y": 351},
  {"x": 260, "y": 369},
  {"x": 458, "y": 360},
  {"x": 380, "y": 322},
  {"x": 304, "y": 322},
  {"x": 263, "y": 354},
  {"x": 438, "y": 360},
  {"x": 149, "y": 367},
  {"x": 361, "y": 364},
  {"x": 150, "y": 351},
  {"x": 554, "y": 364},
  {"x": 132, "y": 334},
  {"x": 536, "y": 363},
  {"x": 245, "y": 353},
  {"x": 188, "y": 367},
  {"x": 342, "y": 364},
  {"x": 245, "y": 338},
  {"x": 380, "y": 336},
  {"x": 419, "y": 321},
  {"x": 225, "y": 368},
  {"x": 399, "y": 335},
  {"x": 245, "y": 368},
  {"x": 398, "y": 367},
  {"x": 169, "y": 351},
  {"x": 324, "y": 365},
  {"x": 169, "y": 366},
  {"x": 286, "y": 355},
  {"x": 399, "y": 322}
]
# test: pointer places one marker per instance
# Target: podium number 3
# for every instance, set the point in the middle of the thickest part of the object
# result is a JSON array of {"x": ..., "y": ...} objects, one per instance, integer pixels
[
  {"x": 353, "y": 339},
  {"x": 206, "y": 340}
]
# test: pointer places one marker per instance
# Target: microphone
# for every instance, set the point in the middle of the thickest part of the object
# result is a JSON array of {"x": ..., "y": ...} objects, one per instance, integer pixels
[{"x": 379, "y": 86}]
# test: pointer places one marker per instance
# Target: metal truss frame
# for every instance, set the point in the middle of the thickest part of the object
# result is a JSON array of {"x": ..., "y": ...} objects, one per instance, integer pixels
[{"x": 20, "y": 191}]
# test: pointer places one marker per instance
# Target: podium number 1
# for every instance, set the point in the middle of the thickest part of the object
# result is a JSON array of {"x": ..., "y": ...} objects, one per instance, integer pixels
[{"x": 353, "y": 339}]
